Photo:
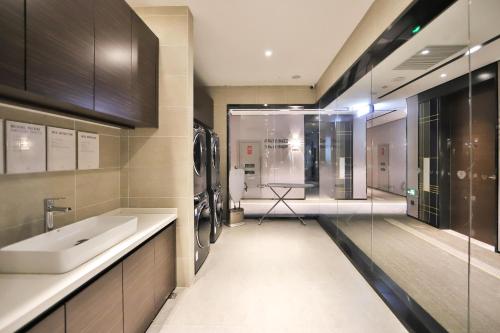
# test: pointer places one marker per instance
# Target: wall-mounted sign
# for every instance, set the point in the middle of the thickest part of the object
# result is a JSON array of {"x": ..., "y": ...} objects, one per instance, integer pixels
[
  {"x": 88, "y": 151},
  {"x": 1, "y": 147},
  {"x": 25, "y": 147},
  {"x": 61, "y": 149},
  {"x": 276, "y": 143}
]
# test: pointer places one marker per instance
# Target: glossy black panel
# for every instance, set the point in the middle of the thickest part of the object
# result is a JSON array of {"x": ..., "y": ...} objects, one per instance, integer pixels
[
  {"x": 419, "y": 14},
  {"x": 12, "y": 43},
  {"x": 60, "y": 50}
]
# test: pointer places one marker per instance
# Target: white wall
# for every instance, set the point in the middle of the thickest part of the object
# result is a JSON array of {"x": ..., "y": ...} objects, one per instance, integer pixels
[
  {"x": 392, "y": 133},
  {"x": 359, "y": 158}
]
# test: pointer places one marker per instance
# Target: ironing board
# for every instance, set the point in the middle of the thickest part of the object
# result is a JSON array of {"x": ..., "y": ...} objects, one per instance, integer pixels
[{"x": 281, "y": 198}]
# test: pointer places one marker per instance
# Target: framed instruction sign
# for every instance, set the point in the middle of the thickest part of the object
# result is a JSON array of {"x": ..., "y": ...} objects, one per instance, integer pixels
[
  {"x": 61, "y": 149},
  {"x": 88, "y": 151},
  {"x": 25, "y": 144}
]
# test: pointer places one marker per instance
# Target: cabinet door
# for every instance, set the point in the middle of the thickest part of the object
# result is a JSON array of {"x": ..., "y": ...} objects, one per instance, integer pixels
[
  {"x": 60, "y": 50},
  {"x": 138, "y": 289},
  {"x": 113, "y": 58},
  {"x": 144, "y": 74},
  {"x": 99, "y": 307},
  {"x": 53, "y": 323},
  {"x": 165, "y": 272},
  {"x": 12, "y": 43}
]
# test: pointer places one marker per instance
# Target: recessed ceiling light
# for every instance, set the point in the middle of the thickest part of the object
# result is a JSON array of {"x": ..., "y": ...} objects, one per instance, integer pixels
[
  {"x": 268, "y": 53},
  {"x": 443, "y": 75},
  {"x": 424, "y": 52},
  {"x": 296, "y": 77},
  {"x": 265, "y": 104}
]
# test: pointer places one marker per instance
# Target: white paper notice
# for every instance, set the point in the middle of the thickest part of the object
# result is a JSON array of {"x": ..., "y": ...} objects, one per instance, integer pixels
[
  {"x": 88, "y": 151},
  {"x": 1, "y": 147},
  {"x": 426, "y": 175},
  {"x": 61, "y": 149},
  {"x": 25, "y": 147}
]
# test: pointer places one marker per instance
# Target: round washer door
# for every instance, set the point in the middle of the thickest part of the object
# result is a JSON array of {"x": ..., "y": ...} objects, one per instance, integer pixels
[
  {"x": 216, "y": 154},
  {"x": 198, "y": 154},
  {"x": 219, "y": 208},
  {"x": 203, "y": 227}
]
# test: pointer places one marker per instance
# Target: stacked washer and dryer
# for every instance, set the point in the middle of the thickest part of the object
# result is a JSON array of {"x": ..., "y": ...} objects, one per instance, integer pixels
[
  {"x": 214, "y": 186},
  {"x": 208, "y": 197}
]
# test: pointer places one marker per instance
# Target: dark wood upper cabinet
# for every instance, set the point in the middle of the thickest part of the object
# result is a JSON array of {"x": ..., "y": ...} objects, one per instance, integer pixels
[
  {"x": 12, "y": 43},
  {"x": 91, "y": 58},
  {"x": 203, "y": 111},
  {"x": 113, "y": 58},
  {"x": 144, "y": 73},
  {"x": 60, "y": 50}
]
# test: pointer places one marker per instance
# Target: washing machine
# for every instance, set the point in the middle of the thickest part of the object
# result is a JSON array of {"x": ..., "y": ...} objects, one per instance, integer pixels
[
  {"x": 199, "y": 160},
  {"x": 217, "y": 209},
  {"x": 213, "y": 160},
  {"x": 202, "y": 227},
  {"x": 214, "y": 187}
]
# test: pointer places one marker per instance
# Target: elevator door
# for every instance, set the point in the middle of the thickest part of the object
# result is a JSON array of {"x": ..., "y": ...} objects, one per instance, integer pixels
[{"x": 484, "y": 182}]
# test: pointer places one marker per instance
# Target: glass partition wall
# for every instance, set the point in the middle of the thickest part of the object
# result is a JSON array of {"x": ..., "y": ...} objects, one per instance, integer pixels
[
  {"x": 404, "y": 168},
  {"x": 428, "y": 238}
]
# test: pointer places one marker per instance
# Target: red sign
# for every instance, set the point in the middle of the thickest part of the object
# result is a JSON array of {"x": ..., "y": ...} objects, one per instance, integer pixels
[{"x": 249, "y": 150}]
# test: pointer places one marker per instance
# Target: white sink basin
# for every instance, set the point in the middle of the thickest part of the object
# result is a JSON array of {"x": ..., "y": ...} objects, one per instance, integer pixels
[{"x": 63, "y": 249}]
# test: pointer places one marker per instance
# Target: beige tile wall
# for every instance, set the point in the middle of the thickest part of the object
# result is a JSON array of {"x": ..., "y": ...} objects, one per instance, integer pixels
[
  {"x": 157, "y": 168},
  {"x": 88, "y": 193},
  {"x": 223, "y": 96},
  {"x": 379, "y": 16}
]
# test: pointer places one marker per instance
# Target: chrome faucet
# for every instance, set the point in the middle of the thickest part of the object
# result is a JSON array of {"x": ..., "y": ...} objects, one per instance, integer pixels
[{"x": 49, "y": 209}]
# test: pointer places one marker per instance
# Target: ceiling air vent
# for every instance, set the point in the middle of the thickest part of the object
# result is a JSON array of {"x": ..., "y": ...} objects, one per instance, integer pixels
[{"x": 429, "y": 56}]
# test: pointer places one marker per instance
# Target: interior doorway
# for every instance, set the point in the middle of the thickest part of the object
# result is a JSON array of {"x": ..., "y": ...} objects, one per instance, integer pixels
[{"x": 455, "y": 121}]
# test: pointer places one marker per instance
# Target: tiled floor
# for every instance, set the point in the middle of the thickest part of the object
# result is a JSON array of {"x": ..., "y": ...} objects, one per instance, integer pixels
[
  {"x": 278, "y": 277},
  {"x": 431, "y": 265}
]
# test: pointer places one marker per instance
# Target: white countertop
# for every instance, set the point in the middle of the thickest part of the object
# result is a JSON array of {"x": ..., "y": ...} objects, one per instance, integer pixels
[{"x": 23, "y": 297}]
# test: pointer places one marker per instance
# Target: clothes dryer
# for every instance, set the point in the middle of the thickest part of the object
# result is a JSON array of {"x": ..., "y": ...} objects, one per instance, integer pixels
[
  {"x": 217, "y": 209},
  {"x": 199, "y": 160},
  {"x": 202, "y": 226}
]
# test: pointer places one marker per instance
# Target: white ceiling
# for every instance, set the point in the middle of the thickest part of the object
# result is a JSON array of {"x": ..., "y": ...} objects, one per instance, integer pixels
[{"x": 230, "y": 37}]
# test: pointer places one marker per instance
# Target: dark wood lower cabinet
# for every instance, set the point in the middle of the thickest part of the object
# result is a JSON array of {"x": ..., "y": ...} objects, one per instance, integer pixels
[
  {"x": 138, "y": 289},
  {"x": 124, "y": 299},
  {"x": 165, "y": 273},
  {"x": 99, "y": 307},
  {"x": 53, "y": 323}
]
